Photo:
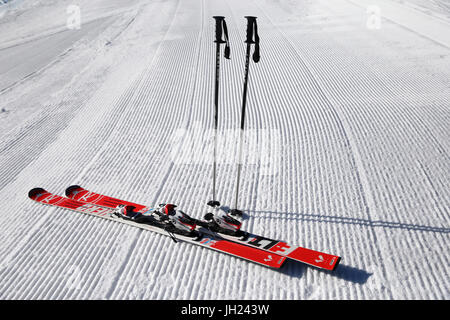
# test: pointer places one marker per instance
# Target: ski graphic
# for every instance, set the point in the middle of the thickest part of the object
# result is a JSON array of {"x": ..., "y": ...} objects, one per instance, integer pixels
[
  {"x": 206, "y": 240},
  {"x": 312, "y": 257}
]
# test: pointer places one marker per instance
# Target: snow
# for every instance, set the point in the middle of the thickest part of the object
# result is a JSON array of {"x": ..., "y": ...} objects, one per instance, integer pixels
[{"x": 348, "y": 111}]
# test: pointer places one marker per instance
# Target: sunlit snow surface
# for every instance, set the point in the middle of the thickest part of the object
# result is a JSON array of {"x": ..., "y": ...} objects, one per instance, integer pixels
[{"x": 347, "y": 145}]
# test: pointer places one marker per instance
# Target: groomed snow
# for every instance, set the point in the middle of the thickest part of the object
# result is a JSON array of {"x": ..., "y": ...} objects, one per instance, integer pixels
[{"x": 348, "y": 145}]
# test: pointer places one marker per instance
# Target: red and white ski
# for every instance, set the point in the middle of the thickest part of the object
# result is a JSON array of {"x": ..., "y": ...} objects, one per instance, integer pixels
[
  {"x": 216, "y": 243},
  {"x": 304, "y": 255}
]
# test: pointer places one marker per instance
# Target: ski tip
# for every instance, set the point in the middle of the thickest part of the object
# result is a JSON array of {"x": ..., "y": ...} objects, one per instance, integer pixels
[
  {"x": 72, "y": 189},
  {"x": 35, "y": 191},
  {"x": 281, "y": 262}
]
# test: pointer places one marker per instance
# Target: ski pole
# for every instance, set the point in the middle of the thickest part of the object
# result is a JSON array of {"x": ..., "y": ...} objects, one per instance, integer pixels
[
  {"x": 171, "y": 235},
  {"x": 252, "y": 38},
  {"x": 221, "y": 27}
]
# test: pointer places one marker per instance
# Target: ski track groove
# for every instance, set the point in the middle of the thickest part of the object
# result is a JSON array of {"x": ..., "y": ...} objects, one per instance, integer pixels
[
  {"x": 363, "y": 182},
  {"x": 89, "y": 254},
  {"x": 44, "y": 209},
  {"x": 167, "y": 173},
  {"x": 316, "y": 98},
  {"x": 60, "y": 267},
  {"x": 42, "y": 237},
  {"x": 43, "y": 219},
  {"x": 47, "y": 117},
  {"x": 322, "y": 65},
  {"x": 111, "y": 290},
  {"x": 312, "y": 98},
  {"x": 375, "y": 114}
]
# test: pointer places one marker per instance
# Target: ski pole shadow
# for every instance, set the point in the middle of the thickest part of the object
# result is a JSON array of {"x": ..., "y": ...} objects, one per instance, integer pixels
[
  {"x": 311, "y": 217},
  {"x": 351, "y": 274},
  {"x": 297, "y": 269}
]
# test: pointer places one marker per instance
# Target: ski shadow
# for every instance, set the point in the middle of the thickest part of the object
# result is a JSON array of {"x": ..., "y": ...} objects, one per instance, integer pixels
[
  {"x": 351, "y": 274},
  {"x": 344, "y": 272}
]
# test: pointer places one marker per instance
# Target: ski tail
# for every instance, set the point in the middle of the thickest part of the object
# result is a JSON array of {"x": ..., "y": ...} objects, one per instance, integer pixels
[
  {"x": 308, "y": 256},
  {"x": 312, "y": 257}
]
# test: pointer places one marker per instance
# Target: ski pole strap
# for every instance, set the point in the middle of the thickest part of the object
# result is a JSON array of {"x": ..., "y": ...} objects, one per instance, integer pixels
[
  {"x": 252, "y": 36},
  {"x": 227, "y": 42},
  {"x": 171, "y": 235},
  {"x": 221, "y": 27}
]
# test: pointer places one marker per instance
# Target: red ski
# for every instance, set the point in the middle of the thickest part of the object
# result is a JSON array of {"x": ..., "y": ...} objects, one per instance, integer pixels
[
  {"x": 215, "y": 243},
  {"x": 304, "y": 255}
]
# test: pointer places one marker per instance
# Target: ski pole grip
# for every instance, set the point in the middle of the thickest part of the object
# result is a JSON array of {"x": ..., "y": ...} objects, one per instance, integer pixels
[
  {"x": 251, "y": 22},
  {"x": 219, "y": 23},
  {"x": 252, "y": 33}
]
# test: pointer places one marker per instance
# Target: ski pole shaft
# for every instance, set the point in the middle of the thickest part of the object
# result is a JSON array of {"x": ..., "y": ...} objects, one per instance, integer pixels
[
  {"x": 241, "y": 132},
  {"x": 220, "y": 29},
  {"x": 216, "y": 114},
  {"x": 171, "y": 235},
  {"x": 251, "y": 38}
]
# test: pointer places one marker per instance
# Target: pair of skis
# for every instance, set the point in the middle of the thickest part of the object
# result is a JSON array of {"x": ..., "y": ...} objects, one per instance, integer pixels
[
  {"x": 254, "y": 248},
  {"x": 107, "y": 211}
]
